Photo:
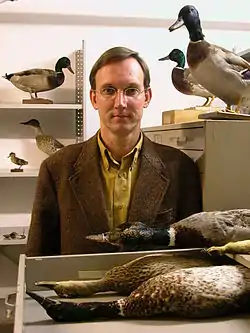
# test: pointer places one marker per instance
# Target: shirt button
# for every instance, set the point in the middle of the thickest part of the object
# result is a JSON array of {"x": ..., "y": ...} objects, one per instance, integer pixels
[{"x": 120, "y": 207}]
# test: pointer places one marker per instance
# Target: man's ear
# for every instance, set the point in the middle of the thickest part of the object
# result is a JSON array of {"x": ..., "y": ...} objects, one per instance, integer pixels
[
  {"x": 92, "y": 95},
  {"x": 148, "y": 96}
]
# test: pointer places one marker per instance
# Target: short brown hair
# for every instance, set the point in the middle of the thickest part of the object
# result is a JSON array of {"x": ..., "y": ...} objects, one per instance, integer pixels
[{"x": 115, "y": 54}]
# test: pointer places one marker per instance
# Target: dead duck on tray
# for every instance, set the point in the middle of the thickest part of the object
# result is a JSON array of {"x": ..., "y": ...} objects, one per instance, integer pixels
[
  {"x": 215, "y": 230},
  {"x": 155, "y": 285}
]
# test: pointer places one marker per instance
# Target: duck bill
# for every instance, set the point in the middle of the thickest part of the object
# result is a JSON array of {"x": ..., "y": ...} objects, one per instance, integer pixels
[
  {"x": 70, "y": 69},
  {"x": 99, "y": 238},
  {"x": 45, "y": 302},
  {"x": 177, "y": 24},
  {"x": 164, "y": 58},
  {"x": 46, "y": 284}
]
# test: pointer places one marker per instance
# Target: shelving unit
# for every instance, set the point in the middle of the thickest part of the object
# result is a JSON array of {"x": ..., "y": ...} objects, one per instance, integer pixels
[
  {"x": 42, "y": 106},
  {"x": 17, "y": 188},
  {"x": 26, "y": 173}
]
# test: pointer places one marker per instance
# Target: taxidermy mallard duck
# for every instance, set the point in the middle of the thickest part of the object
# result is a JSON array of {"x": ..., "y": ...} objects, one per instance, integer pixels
[
  {"x": 39, "y": 79},
  {"x": 154, "y": 285},
  {"x": 46, "y": 143},
  {"x": 214, "y": 67},
  {"x": 204, "y": 230},
  {"x": 17, "y": 160},
  {"x": 183, "y": 80}
]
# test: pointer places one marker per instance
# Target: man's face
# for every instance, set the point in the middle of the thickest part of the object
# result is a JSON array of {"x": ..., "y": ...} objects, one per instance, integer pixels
[{"x": 120, "y": 96}]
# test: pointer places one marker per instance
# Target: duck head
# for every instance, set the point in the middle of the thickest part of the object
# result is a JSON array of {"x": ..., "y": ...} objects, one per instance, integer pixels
[
  {"x": 11, "y": 154},
  {"x": 177, "y": 56},
  {"x": 63, "y": 62},
  {"x": 189, "y": 16},
  {"x": 32, "y": 122}
]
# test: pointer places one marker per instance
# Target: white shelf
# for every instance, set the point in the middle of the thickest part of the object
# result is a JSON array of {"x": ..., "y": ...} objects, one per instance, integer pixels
[
  {"x": 6, "y": 242},
  {"x": 41, "y": 106},
  {"x": 25, "y": 173},
  {"x": 14, "y": 223},
  {"x": 11, "y": 221}
]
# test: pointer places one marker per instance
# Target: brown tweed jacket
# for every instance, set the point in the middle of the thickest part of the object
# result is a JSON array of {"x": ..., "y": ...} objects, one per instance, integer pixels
[{"x": 70, "y": 204}]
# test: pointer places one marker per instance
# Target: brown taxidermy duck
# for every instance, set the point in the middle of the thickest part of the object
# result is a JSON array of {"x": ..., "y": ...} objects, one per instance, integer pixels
[
  {"x": 36, "y": 80},
  {"x": 183, "y": 80},
  {"x": 17, "y": 160},
  {"x": 153, "y": 285},
  {"x": 46, "y": 143},
  {"x": 220, "y": 71}
]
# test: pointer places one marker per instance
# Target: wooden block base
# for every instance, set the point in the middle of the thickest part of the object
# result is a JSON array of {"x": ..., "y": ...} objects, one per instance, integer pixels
[
  {"x": 224, "y": 115},
  {"x": 185, "y": 115},
  {"x": 37, "y": 101},
  {"x": 16, "y": 170}
]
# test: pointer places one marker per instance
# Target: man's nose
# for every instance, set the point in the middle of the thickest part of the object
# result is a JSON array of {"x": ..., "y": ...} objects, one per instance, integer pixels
[{"x": 120, "y": 99}]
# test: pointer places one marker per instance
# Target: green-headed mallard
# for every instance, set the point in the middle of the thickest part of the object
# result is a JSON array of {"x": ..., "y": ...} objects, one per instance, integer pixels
[
  {"x": 39, "y": 79},
  {"x": 17, "y": 160},
  {"x": 214, "y": 67},
  {"x": 152, "y": 285},
  {"x": 204, "y": 229},
  {"x": 46, "y": 143},
  {"x": 183, "y": 80}
]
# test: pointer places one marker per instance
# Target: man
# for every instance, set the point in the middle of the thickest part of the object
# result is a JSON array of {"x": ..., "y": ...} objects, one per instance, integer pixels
[{"x": 117, "y": 175}]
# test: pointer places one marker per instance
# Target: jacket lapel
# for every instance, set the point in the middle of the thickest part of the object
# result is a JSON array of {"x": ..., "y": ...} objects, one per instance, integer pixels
[
  {"x": 86, "y": 183},
  {"x": 151, "y": 186}
]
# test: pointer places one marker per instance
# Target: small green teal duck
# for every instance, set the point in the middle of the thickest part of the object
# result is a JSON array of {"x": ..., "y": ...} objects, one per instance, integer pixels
[
  {"x": 183, "y": 80},
  {"x": 39, "y": 79},
  {"x": 220, "y": 71}
]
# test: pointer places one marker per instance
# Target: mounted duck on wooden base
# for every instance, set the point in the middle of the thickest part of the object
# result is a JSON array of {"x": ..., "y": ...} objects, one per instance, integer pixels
[
  {"x": 222, "y": 72},
  {"x": 37, "y": 80}
]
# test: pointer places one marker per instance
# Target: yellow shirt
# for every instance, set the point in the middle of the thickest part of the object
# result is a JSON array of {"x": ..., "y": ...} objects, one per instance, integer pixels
[{"x": 119, "y": 179}]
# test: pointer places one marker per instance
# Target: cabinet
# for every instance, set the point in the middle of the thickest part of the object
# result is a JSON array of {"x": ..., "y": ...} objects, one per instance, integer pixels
[{"x": 221, "y": 150}]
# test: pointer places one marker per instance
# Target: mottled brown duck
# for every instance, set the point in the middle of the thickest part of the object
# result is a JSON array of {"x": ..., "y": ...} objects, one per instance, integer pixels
[
  {"x": 46, "y": 143},
  {"x": 155, "y": 285}
]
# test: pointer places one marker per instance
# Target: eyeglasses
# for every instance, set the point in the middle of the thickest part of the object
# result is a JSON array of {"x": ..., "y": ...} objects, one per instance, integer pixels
[{"x": 111, "y": 92}]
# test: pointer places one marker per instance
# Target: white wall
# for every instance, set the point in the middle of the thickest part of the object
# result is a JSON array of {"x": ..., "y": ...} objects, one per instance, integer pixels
[
  {"x": 36, "y": 33},
  {"x": 28, "y": 45}
]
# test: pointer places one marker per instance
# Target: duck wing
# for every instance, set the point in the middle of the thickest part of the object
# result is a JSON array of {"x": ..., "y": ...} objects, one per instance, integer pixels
[
  {"x": 195, "y": 86},
  {"x": 58, "y": 144},
  {"x": 237, "y": 62},
  {"x": 35, "y": 71},
  {"x": 215, "y": 227}
]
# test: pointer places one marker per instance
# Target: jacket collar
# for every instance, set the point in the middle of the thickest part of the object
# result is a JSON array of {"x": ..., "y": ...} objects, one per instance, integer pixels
[{"x": 150, "y": 187}]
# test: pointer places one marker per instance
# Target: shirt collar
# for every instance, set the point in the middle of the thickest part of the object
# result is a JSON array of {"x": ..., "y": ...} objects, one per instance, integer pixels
[{"x": 108, "y": 160}]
